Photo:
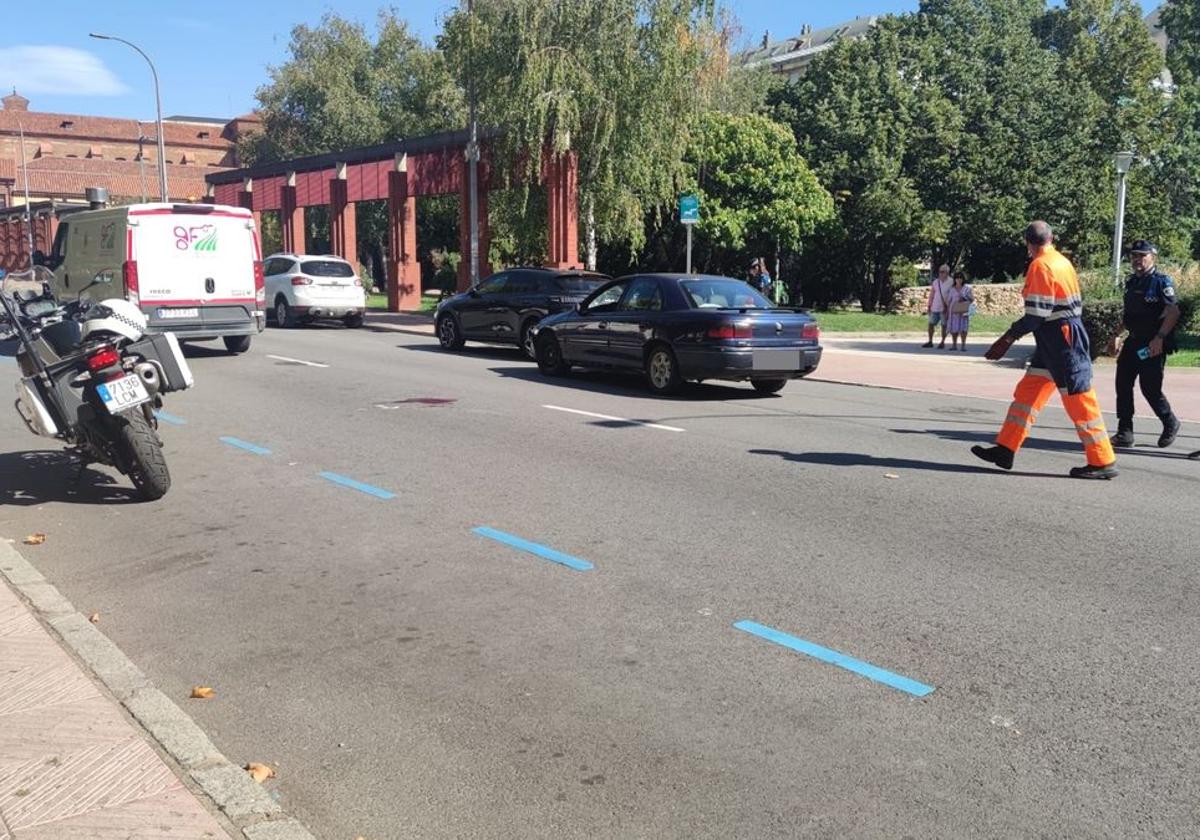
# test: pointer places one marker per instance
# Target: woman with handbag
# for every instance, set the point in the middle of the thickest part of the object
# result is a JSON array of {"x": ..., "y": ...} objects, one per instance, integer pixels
[{"x": 962, "y": 306}]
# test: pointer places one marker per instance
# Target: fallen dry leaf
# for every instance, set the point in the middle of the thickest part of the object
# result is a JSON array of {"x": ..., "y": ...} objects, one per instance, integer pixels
[
  {"x": 890, "y": 475},
  {"x": 35, "y": 539},
  {"x": 203, "y": 692},
  {"x": 259, "y": 772},
  {"x": 94, "y": 618}
]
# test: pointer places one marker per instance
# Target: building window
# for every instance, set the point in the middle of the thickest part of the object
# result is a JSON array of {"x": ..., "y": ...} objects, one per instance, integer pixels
[
  {"x": 67, "y": 124},
  {"x": 203, "y": 135}
]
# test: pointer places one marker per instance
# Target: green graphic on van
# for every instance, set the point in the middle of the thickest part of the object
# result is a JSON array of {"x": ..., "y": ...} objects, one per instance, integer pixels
[
  {"x": 202, "y": 238},
  {"x": 108, "y": 236}
]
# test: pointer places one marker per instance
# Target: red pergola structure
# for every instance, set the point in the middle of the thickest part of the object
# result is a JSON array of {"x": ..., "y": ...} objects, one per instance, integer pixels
[{"x": 399, "y": 172}]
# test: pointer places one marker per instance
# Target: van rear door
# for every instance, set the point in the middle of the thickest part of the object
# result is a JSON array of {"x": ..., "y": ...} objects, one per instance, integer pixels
[{"x": 194, "y": 269}]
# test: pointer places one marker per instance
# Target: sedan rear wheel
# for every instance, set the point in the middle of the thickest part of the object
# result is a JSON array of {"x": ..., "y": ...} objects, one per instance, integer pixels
[
  {"x": 662, "y": 371},
  {"x": 768, "y": 386}
]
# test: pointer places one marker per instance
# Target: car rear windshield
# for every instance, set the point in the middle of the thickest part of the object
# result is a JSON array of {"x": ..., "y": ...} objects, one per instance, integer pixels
[
  {"x": 724, "y": 294},
  {"x": 326, "y": 268},
  {"x": 580, "y": 284}
]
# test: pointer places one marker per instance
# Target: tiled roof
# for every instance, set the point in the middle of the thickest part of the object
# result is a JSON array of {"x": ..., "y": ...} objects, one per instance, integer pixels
[
  {"x": 808, "y": 41},
  {"x": 8, "y": 169},
  {"x": 70, "y": 177},
  {"x": 40, "y": 124}
]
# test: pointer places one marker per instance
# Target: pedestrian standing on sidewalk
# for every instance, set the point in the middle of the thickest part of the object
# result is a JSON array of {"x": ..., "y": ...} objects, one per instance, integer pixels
[
  {"x": 760, "y": 278},
  {"x": 937, "y": 307},
  {"x": 961, "y": 299},
  {"x": 1151, "y": 313},
  {"x": 1053, "y": 313}
]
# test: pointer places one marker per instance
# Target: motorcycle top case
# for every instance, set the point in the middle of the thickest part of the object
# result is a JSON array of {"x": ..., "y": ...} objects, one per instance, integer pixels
[{"x": 163, "y": 350}]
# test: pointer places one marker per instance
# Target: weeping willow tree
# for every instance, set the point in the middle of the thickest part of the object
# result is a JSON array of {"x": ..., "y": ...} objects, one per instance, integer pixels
[{"x": 621, "y": 83}]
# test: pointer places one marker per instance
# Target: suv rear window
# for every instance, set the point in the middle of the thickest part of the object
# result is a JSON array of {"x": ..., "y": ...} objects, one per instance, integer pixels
[
  {"x": 326, "y": 268},
  {"x": 580, "y": 284}
]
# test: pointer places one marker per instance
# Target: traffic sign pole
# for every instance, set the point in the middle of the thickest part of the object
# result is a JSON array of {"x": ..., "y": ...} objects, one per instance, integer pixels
[
  {"x": 689, "y": 214},
  {"x": 689, "y": 258}
]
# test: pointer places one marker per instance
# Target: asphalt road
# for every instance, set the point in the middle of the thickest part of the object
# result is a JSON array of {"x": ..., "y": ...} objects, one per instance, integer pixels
[{"x": 412, "y": 678}]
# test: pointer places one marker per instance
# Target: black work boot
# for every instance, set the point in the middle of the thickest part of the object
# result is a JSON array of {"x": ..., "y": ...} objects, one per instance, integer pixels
[
  {"x": 1169, "y": 432},
  {"x": 1104, "y": 473},
  {"x": 1123, "y": 439},
  {"x": 1001, "y": 456}
]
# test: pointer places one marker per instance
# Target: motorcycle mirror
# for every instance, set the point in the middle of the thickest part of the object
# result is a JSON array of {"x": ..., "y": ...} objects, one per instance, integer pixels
[{"x": 39, "y": 257}]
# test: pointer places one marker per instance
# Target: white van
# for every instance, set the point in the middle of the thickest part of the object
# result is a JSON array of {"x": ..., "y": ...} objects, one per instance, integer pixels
[{"x": 194, "y": 269}]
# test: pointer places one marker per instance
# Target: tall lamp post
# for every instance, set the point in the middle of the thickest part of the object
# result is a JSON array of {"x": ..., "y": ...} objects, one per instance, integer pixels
[
  {"x": 472, "y": 152},
  {"x": 162, "y": 154},
  {"x": 1124, "y": 160}
]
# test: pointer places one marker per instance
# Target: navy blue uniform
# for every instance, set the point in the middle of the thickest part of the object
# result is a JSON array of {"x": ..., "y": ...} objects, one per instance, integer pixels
[{"x": 1146, "y": 298}]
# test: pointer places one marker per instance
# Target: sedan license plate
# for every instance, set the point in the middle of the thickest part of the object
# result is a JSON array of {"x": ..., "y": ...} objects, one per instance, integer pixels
[
  {"x": 775, "y": 358},
  {"x": 121, "y": 394},
  {"x": 179, "y": 313}
]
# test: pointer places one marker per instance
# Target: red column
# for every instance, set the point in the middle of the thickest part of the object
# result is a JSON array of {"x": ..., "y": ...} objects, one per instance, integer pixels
[
  {"x": 246, "y": 200},
  {"x": 292, "y": 219},
  {"x": 562, "y": 200},
  {"x": 343, "y": 234},
  {"x": 403, "y": 267},
  {"x": 464, "y": 227}
]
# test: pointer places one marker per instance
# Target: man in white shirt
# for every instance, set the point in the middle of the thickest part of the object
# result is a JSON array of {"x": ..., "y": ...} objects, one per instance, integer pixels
[{"x": 937, "y": 306}]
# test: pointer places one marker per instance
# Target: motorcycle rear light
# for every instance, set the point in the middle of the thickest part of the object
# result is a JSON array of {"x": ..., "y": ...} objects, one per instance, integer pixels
[
  {"x": 301, "y": 281},
  {"x": 260, "y": 284},
  {"x": 810, "y": 330},
  {"x": 728, "y": 331},
  {"x": 103, "y": 358},
  {"x": 129, "y": 276}
]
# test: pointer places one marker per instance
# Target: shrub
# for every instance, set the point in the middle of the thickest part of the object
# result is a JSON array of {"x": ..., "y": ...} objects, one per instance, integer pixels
[{"x": 1101, "y": 319}]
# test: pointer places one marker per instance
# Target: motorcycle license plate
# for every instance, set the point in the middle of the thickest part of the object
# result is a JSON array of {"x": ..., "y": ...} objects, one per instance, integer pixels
[{"x": 121, "y": 394}]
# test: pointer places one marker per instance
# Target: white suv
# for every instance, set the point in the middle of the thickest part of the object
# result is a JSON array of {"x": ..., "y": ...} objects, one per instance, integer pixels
[{"x": 301, "y": 288}]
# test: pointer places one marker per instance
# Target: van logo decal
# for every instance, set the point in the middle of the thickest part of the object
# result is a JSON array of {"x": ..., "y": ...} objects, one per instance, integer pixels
[
  {"x": 200, "y": 238},
  {"x": 108, "y": 236}
]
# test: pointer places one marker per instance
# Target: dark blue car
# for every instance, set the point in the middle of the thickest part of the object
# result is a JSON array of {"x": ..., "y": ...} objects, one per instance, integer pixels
[{"x": 678, "y": 327}]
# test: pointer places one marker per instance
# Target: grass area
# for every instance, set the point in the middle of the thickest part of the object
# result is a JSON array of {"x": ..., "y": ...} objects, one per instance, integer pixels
[
  {"x": 860, "y": 322},
  {"x": 378, "y": 302},
  {"x": 1188, "y": 354}
]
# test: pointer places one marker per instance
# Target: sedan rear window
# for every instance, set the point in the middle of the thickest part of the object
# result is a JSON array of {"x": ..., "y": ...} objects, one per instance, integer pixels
[
  {"x": 580, "y": 284},
  {"x": 326, "y": 268},
  {"x": 724, "y": 294}
]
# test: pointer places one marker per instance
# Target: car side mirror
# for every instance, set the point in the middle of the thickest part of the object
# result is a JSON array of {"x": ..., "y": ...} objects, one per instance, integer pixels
[{"x": 473, "y": 292}]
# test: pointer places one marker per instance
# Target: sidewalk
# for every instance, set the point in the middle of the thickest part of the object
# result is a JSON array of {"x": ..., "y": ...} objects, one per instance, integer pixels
[{"x": 71, "y": 764}]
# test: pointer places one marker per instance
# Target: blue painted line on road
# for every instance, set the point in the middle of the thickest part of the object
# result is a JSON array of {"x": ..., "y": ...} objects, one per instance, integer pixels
[
  {"x": 249, "y": 447},
  {"x": 170, "y": 418},
  {"x": 357, "y": 485},
  {"x": 534, "y": 548},
  {"x": 841, "y": 660}
]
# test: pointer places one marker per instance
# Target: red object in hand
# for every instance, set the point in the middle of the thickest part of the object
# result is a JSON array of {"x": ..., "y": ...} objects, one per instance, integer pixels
[{"x": 997, "y": 350}]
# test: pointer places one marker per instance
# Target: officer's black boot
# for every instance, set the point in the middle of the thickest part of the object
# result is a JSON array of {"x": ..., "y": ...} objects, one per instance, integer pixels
[
  {"x": 1001, "y": 456},
  {"x": 1124, "y": 436},
  {"x": 1169, "y": 432}
]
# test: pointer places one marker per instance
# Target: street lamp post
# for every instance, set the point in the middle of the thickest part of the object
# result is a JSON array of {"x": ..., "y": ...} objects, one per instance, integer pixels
[
  {"x": 1124, "y": 160},
  {"x": 162, "y": 154}
]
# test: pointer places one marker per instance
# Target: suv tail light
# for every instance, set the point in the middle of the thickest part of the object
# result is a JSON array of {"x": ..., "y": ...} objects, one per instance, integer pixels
[
  {"x": 810, "y": 330},
  {"x": 731, "y": 331},
  {"x": 129, "y": 276},
  {"x": 105, "y": 357},
  {"x": 298, "y": 280},
  {"x": 260, "y": 285}
]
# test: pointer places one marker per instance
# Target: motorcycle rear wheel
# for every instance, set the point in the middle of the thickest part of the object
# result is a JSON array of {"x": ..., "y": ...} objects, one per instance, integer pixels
[{"x": 142, "y": 455}]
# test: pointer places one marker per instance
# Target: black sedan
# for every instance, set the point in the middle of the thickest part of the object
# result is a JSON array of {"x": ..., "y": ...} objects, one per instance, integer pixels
[
  {"x": 678, "y": 327},
  {"x": 504, "y": 307}
]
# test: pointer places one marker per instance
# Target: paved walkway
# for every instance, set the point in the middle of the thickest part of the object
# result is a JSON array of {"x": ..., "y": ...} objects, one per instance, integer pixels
[{"x": 71, "y": 765}]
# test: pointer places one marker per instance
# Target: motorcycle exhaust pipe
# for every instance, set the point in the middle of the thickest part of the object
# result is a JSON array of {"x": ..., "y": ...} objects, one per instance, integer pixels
[{"x": 149, "y": 376}]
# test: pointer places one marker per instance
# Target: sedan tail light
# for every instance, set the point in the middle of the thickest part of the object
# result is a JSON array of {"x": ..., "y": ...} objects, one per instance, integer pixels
[
  {"x": 301, "y": 281},
  {"x": 731, "y": 331},
  {"x": 103, "y": 358},
  {"x": 810, "y": 330}
]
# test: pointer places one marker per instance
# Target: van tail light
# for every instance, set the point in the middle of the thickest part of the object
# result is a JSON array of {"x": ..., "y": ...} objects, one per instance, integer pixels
[
  {"x": 810, "y": 330},
  {"x": 301, "y": 281},
  {"x": 103, "y": 358},
  {"x": 129, "y": 276},
  {"x": 727, "y": 331},
  {"x": 260, "y": 285}
]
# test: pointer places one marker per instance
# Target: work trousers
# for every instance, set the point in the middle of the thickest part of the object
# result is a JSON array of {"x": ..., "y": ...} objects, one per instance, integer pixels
[
  {"x": 1030, "y": 397},
  {"x": 1149, "y": 375}
]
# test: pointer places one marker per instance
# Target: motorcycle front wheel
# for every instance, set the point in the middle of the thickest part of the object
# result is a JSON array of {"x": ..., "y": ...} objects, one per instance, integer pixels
[{"x": 141, "y": 454}]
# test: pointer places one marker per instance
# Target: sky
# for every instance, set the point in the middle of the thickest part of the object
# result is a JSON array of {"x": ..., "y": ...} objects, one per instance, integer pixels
[{"x": 212, "y": 56}]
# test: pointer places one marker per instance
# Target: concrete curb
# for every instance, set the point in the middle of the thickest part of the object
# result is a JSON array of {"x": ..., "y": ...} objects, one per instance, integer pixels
[{"x": 242, "y": 800}]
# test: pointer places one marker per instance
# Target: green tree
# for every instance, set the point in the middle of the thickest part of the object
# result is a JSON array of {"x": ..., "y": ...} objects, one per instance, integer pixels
[
  {"x": 757, "y": 195},
  {"x": 619, "y": 82},
  {"x": 1181, "y": 19}
]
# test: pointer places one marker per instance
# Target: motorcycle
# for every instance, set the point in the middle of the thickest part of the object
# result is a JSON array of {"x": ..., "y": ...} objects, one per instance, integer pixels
[{"x": 92, "y": 378}]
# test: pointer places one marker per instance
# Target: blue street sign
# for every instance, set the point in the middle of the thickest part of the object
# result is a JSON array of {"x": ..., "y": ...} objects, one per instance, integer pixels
[{"x": 689, "y": 209}]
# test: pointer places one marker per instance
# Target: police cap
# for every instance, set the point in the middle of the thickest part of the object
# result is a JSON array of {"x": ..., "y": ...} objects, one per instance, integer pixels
[{"x": 1142, "y": 246}]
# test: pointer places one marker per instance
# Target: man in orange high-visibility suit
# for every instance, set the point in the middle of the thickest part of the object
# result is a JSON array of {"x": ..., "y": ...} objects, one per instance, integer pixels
[{"x": 1053, "y": 312}]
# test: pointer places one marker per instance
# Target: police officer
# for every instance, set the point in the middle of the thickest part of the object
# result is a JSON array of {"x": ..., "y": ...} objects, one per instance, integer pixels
[{"x": 1151, "y": 313}]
